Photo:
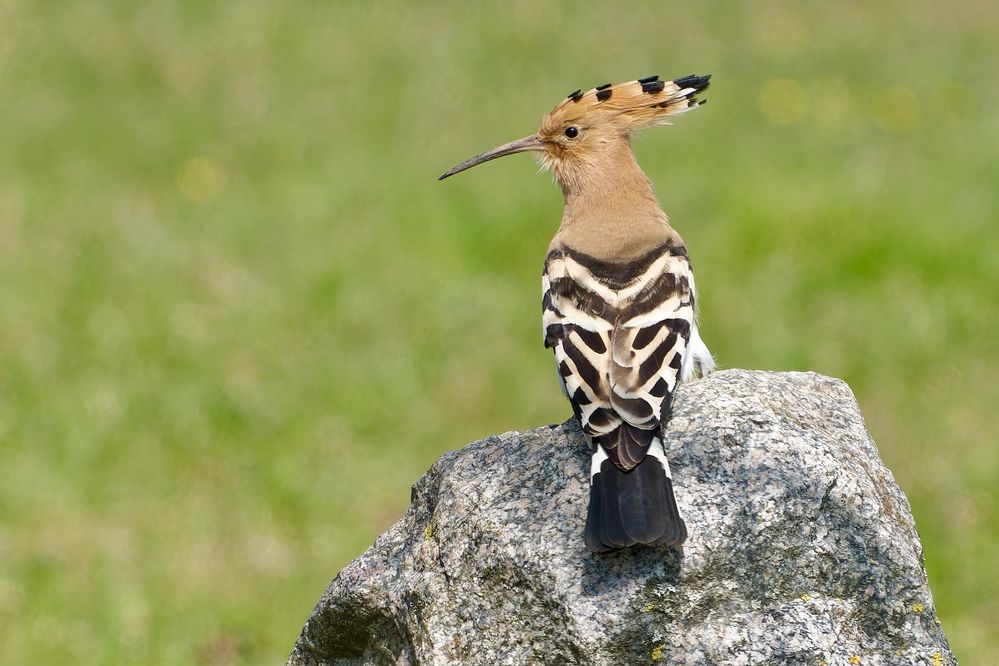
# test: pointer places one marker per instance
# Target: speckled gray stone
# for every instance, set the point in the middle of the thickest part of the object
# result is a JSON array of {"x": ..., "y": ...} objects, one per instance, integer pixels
[{"x": 802, "y": 550}]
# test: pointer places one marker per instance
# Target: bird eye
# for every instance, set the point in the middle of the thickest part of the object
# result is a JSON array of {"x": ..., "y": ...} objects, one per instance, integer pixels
[{"x": 572, "y": 132}]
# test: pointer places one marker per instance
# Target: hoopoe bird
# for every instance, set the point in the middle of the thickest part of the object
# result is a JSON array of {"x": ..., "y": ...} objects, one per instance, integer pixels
[{"x": 618, "y": 301}]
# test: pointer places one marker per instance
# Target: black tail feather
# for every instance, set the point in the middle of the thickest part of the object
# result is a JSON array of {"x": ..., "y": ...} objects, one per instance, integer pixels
[
  {"x": 612, "y": 529},
  {"x": 676, "y": 530},
  {"x": 634, "y": 507},
  {"x": 594, "y": 521}
]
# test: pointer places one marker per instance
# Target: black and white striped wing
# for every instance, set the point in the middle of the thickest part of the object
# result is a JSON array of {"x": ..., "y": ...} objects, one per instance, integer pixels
[
  {"x": 578, "y": 327},
  {"x": 649, "y": 343},
  {"x": 619, "y": 345}
]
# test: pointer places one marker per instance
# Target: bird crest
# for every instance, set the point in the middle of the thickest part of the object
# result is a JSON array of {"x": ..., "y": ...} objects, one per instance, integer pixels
[{"x": 629, "y": 105}]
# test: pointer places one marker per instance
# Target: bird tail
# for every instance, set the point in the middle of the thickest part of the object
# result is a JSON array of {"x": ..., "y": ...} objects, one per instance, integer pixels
[{"x": 633, "y": 507}]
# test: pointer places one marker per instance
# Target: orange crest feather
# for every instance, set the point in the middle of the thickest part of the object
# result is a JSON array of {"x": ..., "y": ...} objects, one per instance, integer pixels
[{"x": 632, "y": 104}]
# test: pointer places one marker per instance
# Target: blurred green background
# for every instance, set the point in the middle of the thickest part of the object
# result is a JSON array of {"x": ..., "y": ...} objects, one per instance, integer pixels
[{"x": 240, "y": 317}]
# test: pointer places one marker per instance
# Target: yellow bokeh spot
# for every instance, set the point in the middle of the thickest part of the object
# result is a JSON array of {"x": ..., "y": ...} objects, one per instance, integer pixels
[
  {"x": 200, "y": 179},
  {"x": 918, "y": 608},
  {"x": 898, "y": 110},
  {"x": 657, "y": 653},
  {"x": 855, "y": 659},
  {"x": 783, "y": 102}
]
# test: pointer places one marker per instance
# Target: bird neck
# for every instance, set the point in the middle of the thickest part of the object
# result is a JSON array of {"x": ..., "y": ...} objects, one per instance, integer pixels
[{"x": 611, "y": 210}]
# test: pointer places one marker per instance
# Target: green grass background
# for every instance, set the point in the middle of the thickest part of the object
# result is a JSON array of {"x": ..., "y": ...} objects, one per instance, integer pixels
[{"x": 239, "y": 317}]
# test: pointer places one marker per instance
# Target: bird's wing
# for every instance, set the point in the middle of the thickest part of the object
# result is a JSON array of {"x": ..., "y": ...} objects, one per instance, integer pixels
[
  {"x": 619, "y": 334},
  {"x": 578, "y": 325}
]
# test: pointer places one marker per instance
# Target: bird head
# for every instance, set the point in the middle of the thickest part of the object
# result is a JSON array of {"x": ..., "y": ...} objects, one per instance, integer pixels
[{"x": 582, "y": 131}]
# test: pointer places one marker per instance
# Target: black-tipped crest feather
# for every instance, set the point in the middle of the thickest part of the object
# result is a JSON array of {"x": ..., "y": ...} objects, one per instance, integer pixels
[{"x": 632, "y": 104}]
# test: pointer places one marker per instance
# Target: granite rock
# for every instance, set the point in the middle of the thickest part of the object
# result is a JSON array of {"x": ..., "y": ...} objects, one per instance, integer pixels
[{"x": 802, "y": 550}]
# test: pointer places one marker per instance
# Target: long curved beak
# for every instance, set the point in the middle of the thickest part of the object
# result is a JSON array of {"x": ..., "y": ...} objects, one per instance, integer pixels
[{"x": 519, "y": 146}]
